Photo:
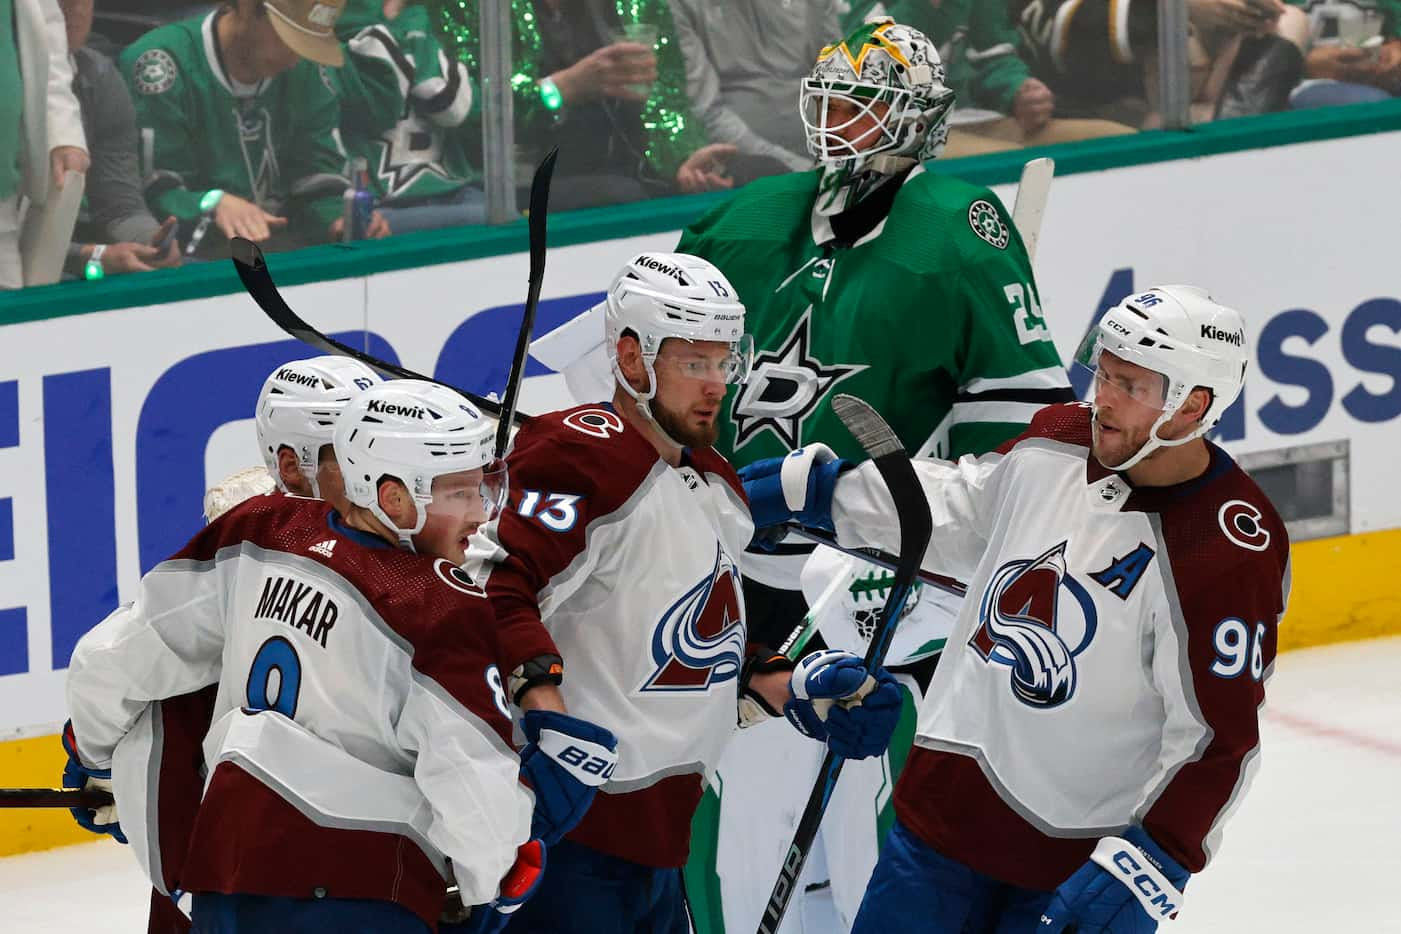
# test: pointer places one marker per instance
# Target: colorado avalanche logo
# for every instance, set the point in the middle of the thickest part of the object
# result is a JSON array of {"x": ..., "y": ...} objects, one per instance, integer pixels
[
  {"x": 699, "y": 641},
  {"x": 1026, "y": 627}
]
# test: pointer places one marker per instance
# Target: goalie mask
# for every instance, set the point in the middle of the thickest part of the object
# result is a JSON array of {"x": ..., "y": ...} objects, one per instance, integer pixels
[
  {"x": 1185, "y": 339},
  {"x": 874, "y": 104},
  {"x": 657, "y": 296},
  {"x": 297, "y": 409}
]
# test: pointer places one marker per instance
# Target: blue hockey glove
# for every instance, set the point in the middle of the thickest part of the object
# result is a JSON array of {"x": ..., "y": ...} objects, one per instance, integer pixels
[
  {"x": 521, "y": 881},
  {"x": 1127, "y": 887},
  {"x": 76, "y": 775},
  {"x": 797, "y": 487},
  {"x": 565, "y": 760},
  {"x": 837, "y": 701}
]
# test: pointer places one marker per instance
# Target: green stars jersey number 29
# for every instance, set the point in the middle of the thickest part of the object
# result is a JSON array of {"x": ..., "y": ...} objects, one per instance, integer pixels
[{"x": 933, "y": 318}]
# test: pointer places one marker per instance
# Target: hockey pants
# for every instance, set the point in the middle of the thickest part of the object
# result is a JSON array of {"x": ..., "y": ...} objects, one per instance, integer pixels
[
  {"x": 588, "y": 892},
  {"x": 917, "y": 890}
]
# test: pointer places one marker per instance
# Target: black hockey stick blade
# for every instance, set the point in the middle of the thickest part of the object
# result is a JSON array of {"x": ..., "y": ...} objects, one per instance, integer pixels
[
  {"x": 53, "y": 798},
  {"x": 916, "y": 526},
  {"x": 252, "y": 270},
  {"x": 539, "y": 209}
]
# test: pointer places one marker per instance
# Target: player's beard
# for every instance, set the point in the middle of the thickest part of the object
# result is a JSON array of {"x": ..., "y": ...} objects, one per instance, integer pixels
[
  {"x": 1114, "y": 448},
  {"x": 677, "y": 430}
]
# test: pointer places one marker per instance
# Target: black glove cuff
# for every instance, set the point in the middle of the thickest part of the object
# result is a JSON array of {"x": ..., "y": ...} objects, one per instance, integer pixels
[
  {"x": 761, "y": 663},
  {"x": 542, "y": 669}
]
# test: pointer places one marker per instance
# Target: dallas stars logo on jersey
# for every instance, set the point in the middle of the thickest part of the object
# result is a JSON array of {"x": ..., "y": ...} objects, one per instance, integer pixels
[
  {"x": 259, "y": 158},
  {"x": 784, "y": 388}
]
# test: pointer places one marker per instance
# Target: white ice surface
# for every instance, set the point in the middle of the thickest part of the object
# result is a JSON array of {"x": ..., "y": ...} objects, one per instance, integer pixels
[{"x": 1313, "y": 848}]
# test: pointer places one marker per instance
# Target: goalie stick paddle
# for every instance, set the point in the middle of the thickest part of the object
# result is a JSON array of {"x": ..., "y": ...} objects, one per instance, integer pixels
[
  {"x": 53, "y": 798},
  {"x": 1030, "y": 207},
  {"x": 916, "y": 526},
  {"x": 539, "y": 207}
]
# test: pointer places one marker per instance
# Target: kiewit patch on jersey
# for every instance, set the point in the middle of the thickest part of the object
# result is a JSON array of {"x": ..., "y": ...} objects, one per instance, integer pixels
[
  {"x": 154, "y": 71},
  {"x": 987, "y": 223}
]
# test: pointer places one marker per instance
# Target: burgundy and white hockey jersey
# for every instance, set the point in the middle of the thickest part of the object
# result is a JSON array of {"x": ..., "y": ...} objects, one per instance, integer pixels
[
  {"x": 1109, "y": 661},
  {"x": 631, "y": 565},
  {"x": 360, "y": 731}
]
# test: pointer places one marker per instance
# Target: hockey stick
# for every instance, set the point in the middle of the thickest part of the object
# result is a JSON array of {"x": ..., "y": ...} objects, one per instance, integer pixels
[
  {"x": 53, "y": 798},
  {"x": 880, "y": 559},
  {"x": 797, "y": 640},
  {"x": 253, "y": 272},
  {"x": 916, "y": 526},
  {"x": 539, "y": 208},
  {"x": 1030, "y": 207}
]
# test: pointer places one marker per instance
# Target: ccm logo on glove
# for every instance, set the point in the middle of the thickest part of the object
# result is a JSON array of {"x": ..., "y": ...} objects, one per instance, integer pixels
[{"x": 1154, "y": 891}]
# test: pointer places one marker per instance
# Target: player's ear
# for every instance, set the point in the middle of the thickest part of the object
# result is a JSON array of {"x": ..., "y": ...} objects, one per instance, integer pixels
[
  {"x": 630, "y": 361},
  {"x": 287, "y": 470},
  {"x": 1196, "y": 404},
  {"x": 394, "y": 500}
]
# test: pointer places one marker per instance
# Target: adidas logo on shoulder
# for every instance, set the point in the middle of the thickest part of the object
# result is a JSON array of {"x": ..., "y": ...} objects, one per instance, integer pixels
[{"x": 324, "y": 548}]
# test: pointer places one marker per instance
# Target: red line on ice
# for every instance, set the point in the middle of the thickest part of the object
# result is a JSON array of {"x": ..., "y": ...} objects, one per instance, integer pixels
[{"x": 1328, "y": 731}]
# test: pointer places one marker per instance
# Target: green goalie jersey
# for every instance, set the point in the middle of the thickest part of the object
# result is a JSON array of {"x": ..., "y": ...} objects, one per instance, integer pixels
[
  {"x": 933, "y": 318},
  {"x": 274, "y": 143}
]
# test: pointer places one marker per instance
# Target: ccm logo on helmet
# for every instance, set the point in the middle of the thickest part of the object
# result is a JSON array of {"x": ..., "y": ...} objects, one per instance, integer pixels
[
  {"x": 292, "y": 376},
  {"x": 1212, "y": 332},
  {"x": 666, "y": 269},
  {"x": 389, "y": 408}
]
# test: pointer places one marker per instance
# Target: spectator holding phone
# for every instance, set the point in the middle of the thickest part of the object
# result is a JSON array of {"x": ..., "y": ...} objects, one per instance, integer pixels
[{"x": 115, "y": 232}]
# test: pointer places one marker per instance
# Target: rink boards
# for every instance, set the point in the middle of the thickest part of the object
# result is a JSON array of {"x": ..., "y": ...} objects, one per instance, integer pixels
[{"x": 113, "y": 422}]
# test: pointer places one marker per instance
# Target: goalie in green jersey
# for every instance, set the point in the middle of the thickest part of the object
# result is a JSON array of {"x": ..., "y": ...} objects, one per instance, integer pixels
[{"x": 874, "y": 276}]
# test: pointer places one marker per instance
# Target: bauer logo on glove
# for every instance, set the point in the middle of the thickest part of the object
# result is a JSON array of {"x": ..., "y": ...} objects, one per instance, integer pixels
[{"x": 835, "y": 700}]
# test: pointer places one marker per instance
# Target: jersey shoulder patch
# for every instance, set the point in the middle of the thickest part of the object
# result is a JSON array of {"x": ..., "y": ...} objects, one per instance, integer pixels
[
  {"x": 154, "y": 72},
  {"x": 939, "y": 223},
  {"x": 588, "y": 451}
]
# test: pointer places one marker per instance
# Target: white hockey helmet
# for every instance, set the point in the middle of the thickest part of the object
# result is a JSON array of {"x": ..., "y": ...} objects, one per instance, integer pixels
[
  {"x": 660, "y": 295},
  {"x": 298, "y": 405},
  {"x": 1180, "y": 332},
  {"x": 881, "y": 62},
  {"x": 414, "y": 431}
]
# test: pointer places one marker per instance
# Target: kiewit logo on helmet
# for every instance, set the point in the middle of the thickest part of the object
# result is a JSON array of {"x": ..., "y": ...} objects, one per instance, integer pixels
[
  {"x": 666, "y": 269},
  {"x": 292, "y": 376},
  {"x": 389, "y": 408},
  {"x": 1212, "y": 332}
]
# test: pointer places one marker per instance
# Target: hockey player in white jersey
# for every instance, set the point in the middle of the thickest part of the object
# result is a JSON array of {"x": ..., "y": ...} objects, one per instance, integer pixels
[
  {"x": 1093, "y": 720},
  {"x": 622, "y": 535},
  {"x": 294, "y": 421},
  {"x": 360, "y": 753},
  {"x": 296, "y": 417}
]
